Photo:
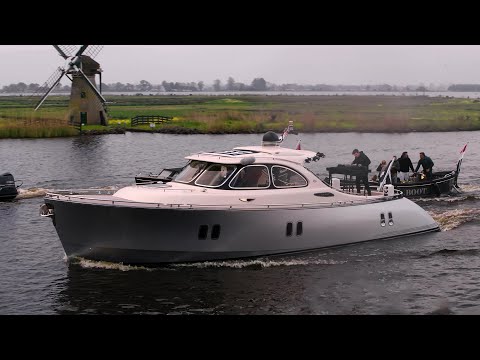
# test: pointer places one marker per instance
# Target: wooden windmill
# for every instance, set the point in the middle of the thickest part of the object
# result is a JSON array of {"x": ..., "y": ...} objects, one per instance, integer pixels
[{"x": 87, "y": 105}]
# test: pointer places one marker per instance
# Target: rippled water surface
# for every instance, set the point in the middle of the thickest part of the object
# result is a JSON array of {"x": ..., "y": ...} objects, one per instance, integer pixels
[{"x": 435, "y": 273}]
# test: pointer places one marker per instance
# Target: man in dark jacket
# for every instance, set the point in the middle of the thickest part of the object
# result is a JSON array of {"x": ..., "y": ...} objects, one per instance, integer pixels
[
  {"x": 405, "y": 165},
  {"x": 427, "y": 165},
  {"x": 362, "y": 160}
]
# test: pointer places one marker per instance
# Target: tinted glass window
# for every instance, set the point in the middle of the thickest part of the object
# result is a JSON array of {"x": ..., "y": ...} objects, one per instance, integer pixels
[
  {"x": 251, "y": 177},
  {"x": 284, "y": 177},
  {"x": 215, "y": 175}
]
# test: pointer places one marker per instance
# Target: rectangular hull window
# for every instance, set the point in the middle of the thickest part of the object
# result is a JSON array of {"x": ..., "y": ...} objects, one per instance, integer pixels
[
  {"x": 289, "y": 229},
  {"x": 202, "y": 232},
  {"x": 215, "y": 232},
  {"x": 299, "y": 228}
]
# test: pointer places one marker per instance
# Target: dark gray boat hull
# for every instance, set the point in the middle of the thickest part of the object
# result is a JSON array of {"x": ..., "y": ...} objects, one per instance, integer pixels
[{"x": 150, "y": 234}]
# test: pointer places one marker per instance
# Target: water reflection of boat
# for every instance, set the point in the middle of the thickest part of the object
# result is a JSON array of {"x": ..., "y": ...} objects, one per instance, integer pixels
[
  {"x": 246, "y": 202},
  {"x": 8, "y": 187}
]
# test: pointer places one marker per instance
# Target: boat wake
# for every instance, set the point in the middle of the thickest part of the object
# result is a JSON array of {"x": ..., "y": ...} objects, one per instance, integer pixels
[
  {"x": 31, "y": 193},
  {"x": 40, "y": 192},
  {"x": 452, "y": 219},
  {"x": 236, "y": 264},
  {"x": 449, "y": 252},
  {"x": 470, "y": 188},
  {"x": 256, "y": 263},
  {"x": 92, "y": 264},
  {"x": 443, "y": 309},
  {"x": 450, "y": 199},
  {"x": 467, "y": 193}
]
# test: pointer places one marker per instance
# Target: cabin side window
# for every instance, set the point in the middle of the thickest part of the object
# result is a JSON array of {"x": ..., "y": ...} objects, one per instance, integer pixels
[
  {"x": 215, "y": 175},
  {"x": 251, "y": 177},
  {"x": 287, "y": 178},
  {"x": 191, "y": 171}
]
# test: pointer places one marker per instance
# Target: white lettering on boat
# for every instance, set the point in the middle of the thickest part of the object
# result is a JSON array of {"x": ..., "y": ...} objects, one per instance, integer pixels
[{"x": 416, "y": 191}]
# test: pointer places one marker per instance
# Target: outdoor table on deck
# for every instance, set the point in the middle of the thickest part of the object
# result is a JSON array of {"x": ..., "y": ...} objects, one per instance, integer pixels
[{"x": 349, "y": 171}]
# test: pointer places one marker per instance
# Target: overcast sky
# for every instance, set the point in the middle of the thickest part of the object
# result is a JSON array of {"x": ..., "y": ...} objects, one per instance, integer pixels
[{"x": 279, "y": 64}]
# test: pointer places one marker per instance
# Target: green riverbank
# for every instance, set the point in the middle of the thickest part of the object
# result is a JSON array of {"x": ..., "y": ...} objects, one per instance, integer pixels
[{"x": 198, "y": 114}]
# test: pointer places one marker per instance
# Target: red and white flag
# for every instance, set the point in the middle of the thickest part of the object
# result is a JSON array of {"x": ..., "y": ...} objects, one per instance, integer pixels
[
  {"x": 298, "y": 145},
  {"x": 285, "y": 133},
  {"x": 462, "y": 152}
]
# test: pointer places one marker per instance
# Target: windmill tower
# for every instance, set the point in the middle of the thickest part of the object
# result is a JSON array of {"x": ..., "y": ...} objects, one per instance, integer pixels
[{"x": 87, "y": 105}]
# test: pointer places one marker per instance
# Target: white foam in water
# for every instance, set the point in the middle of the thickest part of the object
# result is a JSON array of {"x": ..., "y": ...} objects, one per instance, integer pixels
[
  {"x": 40, "y": 192},
  {"x": 237, "y": 264},
  {"x": 264, "y": 263},
  {"x": 470, "y": 188},
  {"x": 466, "y": 192},
  {"x": 91, "y": 264},
  {"x": 452, "y": 219},
  {"x": 450, "y": 199},
  {"x": 31, "y": 193}
]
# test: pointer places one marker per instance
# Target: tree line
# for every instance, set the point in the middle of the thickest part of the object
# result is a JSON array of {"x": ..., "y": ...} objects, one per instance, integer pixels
[
  {"x": 464, "y": 87},
  {"x": 257, "y": 84}
]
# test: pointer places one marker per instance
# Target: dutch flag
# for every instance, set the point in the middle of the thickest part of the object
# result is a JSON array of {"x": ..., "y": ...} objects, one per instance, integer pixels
[{"x": 462, "y": 152}]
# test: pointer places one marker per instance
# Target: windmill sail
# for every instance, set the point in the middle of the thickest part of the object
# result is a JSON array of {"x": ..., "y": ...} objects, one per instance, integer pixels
[
  {"x": 60, "y": 51},
  {"x": 68, "y": 50},
  {"x": 93, "y": 50},
  {"x": 48, "y": 86},
  {"x": 81, "y": 50}
]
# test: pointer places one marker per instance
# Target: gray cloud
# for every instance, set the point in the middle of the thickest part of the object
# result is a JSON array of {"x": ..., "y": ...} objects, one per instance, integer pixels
[{"x": 303, "y": 64}]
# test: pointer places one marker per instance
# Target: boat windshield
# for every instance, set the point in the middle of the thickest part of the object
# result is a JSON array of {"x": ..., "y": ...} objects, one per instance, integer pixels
[
  {"x": 191, "y": 171},
  {"x": 215, "y": 175}
]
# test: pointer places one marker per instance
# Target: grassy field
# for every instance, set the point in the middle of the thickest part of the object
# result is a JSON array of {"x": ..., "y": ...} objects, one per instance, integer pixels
[{"x": 251, "y": 114}]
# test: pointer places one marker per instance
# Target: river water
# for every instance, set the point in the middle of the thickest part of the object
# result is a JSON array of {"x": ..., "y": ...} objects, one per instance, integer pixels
[{"x": 436, "y": 273}]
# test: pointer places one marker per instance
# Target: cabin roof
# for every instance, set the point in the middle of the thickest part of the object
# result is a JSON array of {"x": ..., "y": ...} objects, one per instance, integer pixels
[{"x": 236, "y": 155}]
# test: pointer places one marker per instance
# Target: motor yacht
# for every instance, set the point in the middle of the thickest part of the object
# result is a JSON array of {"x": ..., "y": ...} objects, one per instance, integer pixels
[{"x": 245, "y": 202}]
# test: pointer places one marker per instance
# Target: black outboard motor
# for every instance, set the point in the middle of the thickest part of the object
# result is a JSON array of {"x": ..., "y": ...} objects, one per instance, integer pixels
[{"x": 8, "y": 190}]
